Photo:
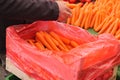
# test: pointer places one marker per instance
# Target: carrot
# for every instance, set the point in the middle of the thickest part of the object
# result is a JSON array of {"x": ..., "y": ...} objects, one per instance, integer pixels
[
  {"x": 110, "y": 27},
  {"x": 73, "y": 16},
  {"x": 49, "y": 40},
  {"x": 74, "y": 44},
  {"x": 70, "y": 5},
  {"x": 40, "y": 36},
  {"x": 62, "y": 48},
  {"x": 69, "y": 21},
  {"x": 55, "y": 36},
  {"x": 90, "y": 16},
  {"x": 65, "y": 40},
  {"x": 55, "y": 41},
  {"x": 31, "y": 41},
  {"x": 78, "y": 21},
  {"x": 84, "y": 19},
  {"x": 77, "y": 12},
  {"x": 69, "y": 47},
  {"x": 87, "y": 24},
  {"x": 118, "y": 31},
  {"x": 106, "y": 25},
  {"x": 117, "y": 36},
  {"x": 102, "y": 24},
  {"x": 39, "y": 46},
  {"x": 96, "y": 20},
  {"x": 115, "y": 27}
]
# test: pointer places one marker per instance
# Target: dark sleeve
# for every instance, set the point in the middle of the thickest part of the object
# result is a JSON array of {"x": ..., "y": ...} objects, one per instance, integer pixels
[{"x": 29, "y": 9}]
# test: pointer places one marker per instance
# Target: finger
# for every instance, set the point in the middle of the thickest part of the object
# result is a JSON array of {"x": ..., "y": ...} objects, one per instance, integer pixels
[
  {"x": 69, "y": 13},
  {"x": 68, "y": 9}
]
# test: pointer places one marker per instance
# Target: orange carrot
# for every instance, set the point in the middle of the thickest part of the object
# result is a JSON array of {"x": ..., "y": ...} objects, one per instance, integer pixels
[
  {"x": 74, "y": 44},
  {"x": 86, "y": 26},
  {"x": 73, "y": 16},
  {"x": 106, "y": 25},
  {"x": 62, "y": 48},
  {"x": 55, "y": 41},
  {"x": 117, "y": 36},
  {"x": 78, "y": 21},
  {"x": 77, "y": 12},
  {"x": 84, "y": 19},
  {"x": 31, "y": 41},
  {"x": 102, "y": 24},
  {"x": 65, "y": 40},
  {"x": 49, "y": 40},
  {"x": 115, "y": 27},
  {"x": 40, "y": 36},
  {"x": 94, "y": 18},
  {"x": 69, "y": 21},
  {"x": 55, "y": 36},
  {"x": 39, "y": 46},
  {"x": 70, "y": 5},
  {"x": 69, "y": 47},
  {"x": 118, "y": 31},
  {"x": 109, "y": 29},
  {"x": 87, "y": 23}
]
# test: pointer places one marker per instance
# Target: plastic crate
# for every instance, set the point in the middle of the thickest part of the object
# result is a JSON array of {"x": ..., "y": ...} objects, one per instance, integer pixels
[{"x": 12, "y": 77}]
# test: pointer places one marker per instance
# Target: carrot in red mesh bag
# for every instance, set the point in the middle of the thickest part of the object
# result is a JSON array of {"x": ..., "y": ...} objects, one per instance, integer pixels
[{"x": 89, "y": 60}]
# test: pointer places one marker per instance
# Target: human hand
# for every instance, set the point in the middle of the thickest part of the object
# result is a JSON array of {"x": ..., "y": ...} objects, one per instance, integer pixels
[{"x": 64, "y": 11}]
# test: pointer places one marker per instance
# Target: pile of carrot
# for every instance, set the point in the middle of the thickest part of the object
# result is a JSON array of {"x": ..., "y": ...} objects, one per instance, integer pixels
[
  {"x": 102, "y": 15},
  {"x": 52, "y": 41}
]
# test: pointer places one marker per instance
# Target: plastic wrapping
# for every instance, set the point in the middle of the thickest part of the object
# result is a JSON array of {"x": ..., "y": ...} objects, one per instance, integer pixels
[{"x": 94, "y": 56}]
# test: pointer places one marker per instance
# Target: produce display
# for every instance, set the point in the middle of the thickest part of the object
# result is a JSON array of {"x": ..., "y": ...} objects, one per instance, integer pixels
[
  {"x": 52, "y": 41},
  {"x": 102, "y": 15},
  {"x": 50, "y": 50}
]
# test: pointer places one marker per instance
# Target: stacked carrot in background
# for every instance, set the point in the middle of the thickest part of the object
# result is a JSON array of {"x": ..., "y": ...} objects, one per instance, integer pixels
[
  {"x": 102, "y": 15},
  {"x": 52, "y": 41}
]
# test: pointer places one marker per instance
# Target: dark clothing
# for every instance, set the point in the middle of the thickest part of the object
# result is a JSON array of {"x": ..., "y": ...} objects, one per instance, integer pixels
[
  {"x": 29, "y": 9},
  {"x": 13, "y": 12}
]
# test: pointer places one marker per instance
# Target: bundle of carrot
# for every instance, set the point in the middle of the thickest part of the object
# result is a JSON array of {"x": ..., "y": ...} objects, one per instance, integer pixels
[
  {"x": 102, "y": 15},
  {"x": 52, "y": 41}
]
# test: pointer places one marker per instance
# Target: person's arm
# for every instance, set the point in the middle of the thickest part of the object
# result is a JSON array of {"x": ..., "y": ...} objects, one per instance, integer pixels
[{"x": 29, "y": 9}]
